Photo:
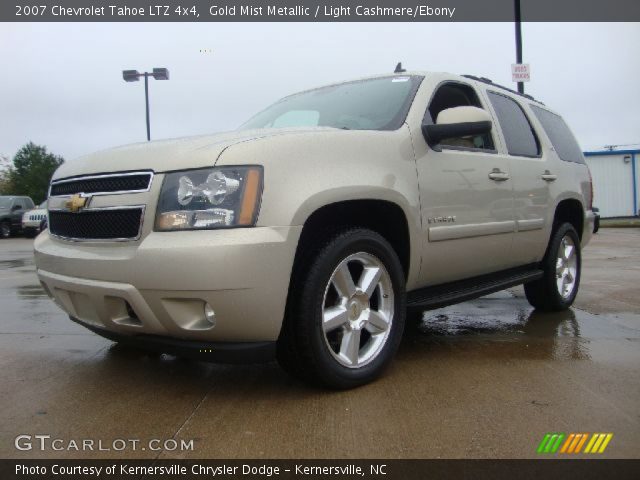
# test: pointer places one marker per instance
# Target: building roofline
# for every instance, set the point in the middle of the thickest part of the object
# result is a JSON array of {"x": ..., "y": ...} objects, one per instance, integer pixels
[{"x": 598, "y": 153}]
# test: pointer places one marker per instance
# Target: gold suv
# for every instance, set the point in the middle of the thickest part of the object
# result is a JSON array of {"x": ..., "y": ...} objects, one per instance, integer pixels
[{"x": 316, "y": 230}]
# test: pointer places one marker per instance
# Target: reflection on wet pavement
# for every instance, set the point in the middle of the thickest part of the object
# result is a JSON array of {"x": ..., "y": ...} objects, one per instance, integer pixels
[
  {"x": 503, "y": 318},
  {"x": 504, "y": 322},
  {"x": 16, "y": 263},
  {"x": 26, "y": 291},
  {"x": 489, "y": 314}
]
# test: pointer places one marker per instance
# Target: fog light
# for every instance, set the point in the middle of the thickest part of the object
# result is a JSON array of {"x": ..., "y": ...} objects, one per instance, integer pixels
[{"x": 209, "y": 314}]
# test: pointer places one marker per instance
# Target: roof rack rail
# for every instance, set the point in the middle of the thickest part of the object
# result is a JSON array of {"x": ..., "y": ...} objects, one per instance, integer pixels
[{"x": 488, "y": 81}]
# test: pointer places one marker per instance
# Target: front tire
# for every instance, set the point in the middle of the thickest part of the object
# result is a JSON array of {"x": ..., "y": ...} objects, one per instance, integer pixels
[
  {"x": 346, "y": 311},
  {"x": 5, "y": 229},
  {"x": 562, "y": 266}
]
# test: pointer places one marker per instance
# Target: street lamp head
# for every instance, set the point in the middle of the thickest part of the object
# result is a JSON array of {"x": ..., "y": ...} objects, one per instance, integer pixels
[
  {"x": 134, "y": 76},
  {"x": 130, "y": 75},
  {"x": 161, "y": 73}
]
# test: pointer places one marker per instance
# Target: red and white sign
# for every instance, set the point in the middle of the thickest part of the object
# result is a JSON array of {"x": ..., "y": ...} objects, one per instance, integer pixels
[{"x": 520, "y": 72}]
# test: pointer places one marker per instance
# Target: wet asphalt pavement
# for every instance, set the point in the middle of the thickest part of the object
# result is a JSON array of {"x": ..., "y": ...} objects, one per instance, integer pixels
[{"x": 483, "y": 379}]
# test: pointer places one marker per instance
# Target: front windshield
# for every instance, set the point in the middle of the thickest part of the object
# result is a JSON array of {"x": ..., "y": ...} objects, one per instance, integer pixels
[
  {"x": 5, "y": 202},
  {"x": 375, "y": 104}
]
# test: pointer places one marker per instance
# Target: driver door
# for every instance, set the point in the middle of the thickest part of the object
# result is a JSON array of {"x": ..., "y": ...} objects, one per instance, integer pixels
[{"x": 466, "y": 195}]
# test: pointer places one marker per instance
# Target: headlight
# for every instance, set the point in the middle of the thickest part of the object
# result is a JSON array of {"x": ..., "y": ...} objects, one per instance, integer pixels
[{"x": 210, "y": 198}]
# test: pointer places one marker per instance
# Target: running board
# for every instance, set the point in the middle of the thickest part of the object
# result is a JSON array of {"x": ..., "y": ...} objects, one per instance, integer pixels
[{"x": 438, "y": 296}]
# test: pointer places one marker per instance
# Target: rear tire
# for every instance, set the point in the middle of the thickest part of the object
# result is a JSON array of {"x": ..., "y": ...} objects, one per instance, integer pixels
[
  {"x": 562, "y": 266},
  {"x": 345, "y": 313}
]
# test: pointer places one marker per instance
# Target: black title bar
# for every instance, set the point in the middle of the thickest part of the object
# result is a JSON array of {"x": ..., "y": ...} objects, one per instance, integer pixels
[
  {"x": 317, "y": 11},
  {"x": 377, "y": 469}
]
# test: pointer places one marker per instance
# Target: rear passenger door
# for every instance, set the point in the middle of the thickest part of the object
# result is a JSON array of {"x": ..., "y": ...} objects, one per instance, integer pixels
[{"x": 531, "y": 175}]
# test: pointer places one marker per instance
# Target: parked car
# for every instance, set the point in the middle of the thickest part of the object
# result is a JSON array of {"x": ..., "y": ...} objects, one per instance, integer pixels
[
  {"x": 310, "y": 232},
  {"x": 32, "y": 220},
  {"x": 11, "y": 210}
]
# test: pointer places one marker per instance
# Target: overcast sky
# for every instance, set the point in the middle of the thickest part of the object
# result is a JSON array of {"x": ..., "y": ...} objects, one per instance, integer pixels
[{"x": 62, "y": 87}]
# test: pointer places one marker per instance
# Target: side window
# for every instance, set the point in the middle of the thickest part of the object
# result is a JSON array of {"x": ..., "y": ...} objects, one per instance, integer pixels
[
  {"x": 452, "y": 95},
  {"x": 518, "y": 132},
  {"x": 18, "y": 204},
  {"x": 561, "y": 138}
]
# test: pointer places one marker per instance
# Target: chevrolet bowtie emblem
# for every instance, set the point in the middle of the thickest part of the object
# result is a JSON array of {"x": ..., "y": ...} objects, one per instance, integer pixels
[{"x": 75, "y": 203}]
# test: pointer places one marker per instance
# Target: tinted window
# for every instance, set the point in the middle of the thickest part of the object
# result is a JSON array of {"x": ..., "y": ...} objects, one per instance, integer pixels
[
  {"x": 561, "y": 138},
  {"x": 516, "y": 128},
  {"x": 374, "y": 104}
]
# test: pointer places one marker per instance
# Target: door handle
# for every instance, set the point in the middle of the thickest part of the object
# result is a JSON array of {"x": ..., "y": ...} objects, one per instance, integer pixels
[
  {"x": 547, "y": 176},
  {"x": 498, "y": 175}
]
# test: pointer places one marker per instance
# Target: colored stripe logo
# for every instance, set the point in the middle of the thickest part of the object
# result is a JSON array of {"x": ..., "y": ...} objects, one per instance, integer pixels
[{"x": 573, "y": 443}]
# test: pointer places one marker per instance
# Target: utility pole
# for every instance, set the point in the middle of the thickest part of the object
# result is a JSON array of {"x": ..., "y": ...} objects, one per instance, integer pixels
[{"x": 518, "y": 41}]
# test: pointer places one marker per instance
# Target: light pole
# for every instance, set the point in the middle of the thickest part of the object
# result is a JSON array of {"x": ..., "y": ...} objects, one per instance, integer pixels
[{"x": 134, "y": 76}]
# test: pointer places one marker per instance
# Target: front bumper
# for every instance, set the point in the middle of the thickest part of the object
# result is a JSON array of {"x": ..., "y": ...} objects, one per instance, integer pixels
[
  {"x": 31, "y": 224},
  {"x": 219, "y": 352},
  {"x": 158, "y": 287}
]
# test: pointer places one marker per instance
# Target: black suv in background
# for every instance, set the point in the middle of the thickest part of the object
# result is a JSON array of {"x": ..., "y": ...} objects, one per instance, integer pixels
[{"x": 11, "y": 210}]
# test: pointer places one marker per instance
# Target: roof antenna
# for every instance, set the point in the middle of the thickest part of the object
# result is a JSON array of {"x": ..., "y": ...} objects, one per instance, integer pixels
[{"x": 399, "y": 68}]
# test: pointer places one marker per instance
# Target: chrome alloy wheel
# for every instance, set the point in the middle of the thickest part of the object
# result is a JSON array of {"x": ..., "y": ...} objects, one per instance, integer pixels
[
  {"x": 357, "y": 310},
  {"x": 566, "y": 267}
]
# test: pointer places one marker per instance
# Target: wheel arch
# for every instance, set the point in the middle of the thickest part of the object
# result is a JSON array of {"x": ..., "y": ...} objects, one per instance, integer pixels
[
  {"x": 569, "y": 210},
  {"x": 385, "y": 217}
]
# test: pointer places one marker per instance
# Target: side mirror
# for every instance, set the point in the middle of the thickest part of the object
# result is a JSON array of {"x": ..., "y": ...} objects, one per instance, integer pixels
[
  {"x": 16, "y": 207},
  {"x": 457, "y": 122}
]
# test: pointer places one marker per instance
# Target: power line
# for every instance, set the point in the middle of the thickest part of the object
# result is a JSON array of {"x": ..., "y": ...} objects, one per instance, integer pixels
[{"x": 613, "y": 147}]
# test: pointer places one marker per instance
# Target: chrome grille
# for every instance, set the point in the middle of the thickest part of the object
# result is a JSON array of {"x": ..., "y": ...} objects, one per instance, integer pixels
[{"x": 103, "y": 184}]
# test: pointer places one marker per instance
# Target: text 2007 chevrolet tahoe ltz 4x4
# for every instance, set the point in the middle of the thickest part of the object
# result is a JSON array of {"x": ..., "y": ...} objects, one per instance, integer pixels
[{"x": 313, "y": 232}]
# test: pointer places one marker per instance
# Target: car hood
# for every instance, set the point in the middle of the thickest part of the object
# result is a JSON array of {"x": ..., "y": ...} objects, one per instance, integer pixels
[{"x": 166, "y": 155}]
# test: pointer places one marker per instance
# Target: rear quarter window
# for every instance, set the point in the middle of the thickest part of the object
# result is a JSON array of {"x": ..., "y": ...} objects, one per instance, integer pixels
[{"x": 561, "y": 138}]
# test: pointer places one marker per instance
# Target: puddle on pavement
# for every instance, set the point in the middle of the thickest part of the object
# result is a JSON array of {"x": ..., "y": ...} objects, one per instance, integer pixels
[
  {"x": 505, "y": 324},
  {"x": 511, "y": 327},
  {"x": 504, "y": 313},
  {"x": 16, "y": 263},
  {"x": 490, "y": 314}
]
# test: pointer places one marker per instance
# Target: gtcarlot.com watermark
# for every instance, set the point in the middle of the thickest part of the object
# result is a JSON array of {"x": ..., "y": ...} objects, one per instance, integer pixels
[{"x": 42, "y": 443}]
